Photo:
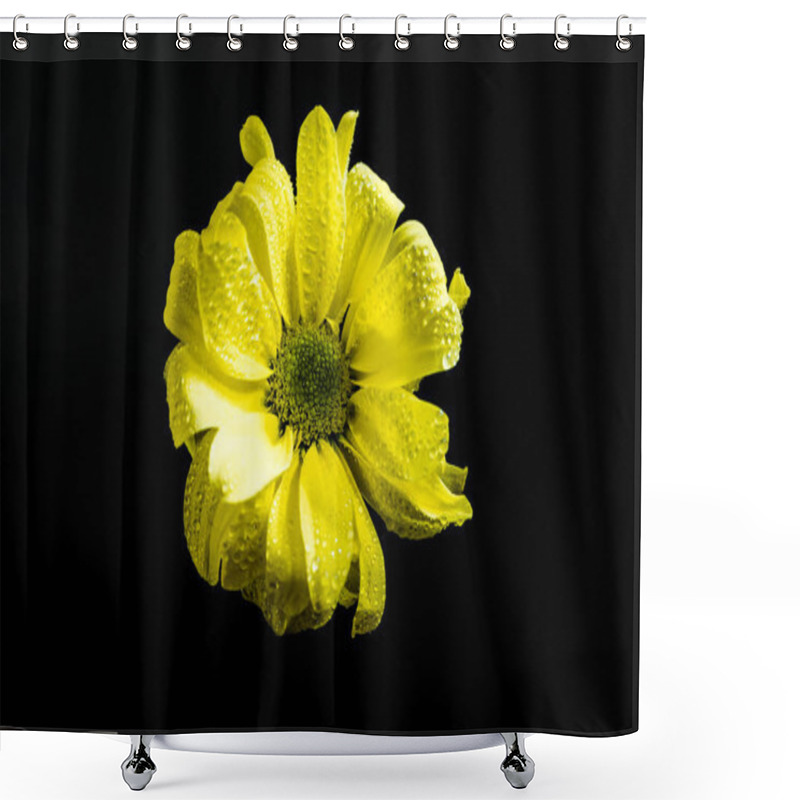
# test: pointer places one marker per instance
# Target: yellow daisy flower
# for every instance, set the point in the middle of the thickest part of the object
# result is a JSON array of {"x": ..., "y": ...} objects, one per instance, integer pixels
[{"x": 305, "y": 326}]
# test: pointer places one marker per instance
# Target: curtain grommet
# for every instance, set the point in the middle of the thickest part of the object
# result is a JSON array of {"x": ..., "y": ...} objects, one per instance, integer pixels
[
  {"x": 234, "y": 43},
  {"x": 451, "y": 42},
  {"x": 71, "y": 43},
  {"x": 182, "y": 42},
  {"x": 290, "y": 43},
  {"x": 401, "y": 42},
  {"x": 507, "y": 42},
  {"x": 561, "y": 43},
  {"x": 346, "y": 42},
  {"x": 129, "y": 43},
  {"x": 20, "y": 43},
  {"x": 623, "y": 44}
]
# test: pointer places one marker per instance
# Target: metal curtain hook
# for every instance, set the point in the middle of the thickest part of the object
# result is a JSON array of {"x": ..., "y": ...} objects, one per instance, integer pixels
[
  {"x": 289, "y": 42},
  {"x": 234, "y": 43},
  {"x": 623, "y": 44},
  {"x": 71, "y": 42},
  {"x": 182, "y": 42},
  {"x": 20, "y": 42},
  {"x": 507, "y": 42},
  {"x": 401, "y": 42},
  {"x": 561, "y": 42},
  {"x": 451, "y": 42},
  {"x": 346, "y": 42},
  {"x": 129, "y": 42}
]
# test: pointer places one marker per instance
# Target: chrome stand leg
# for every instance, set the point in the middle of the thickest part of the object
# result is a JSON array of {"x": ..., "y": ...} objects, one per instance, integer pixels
[
  {"x": 138, "y": 768},
  {"x": 517, "y": 766}
]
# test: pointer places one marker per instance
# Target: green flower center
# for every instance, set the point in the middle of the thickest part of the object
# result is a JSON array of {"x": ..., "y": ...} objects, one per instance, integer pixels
[{"x": 310, "y": 384}]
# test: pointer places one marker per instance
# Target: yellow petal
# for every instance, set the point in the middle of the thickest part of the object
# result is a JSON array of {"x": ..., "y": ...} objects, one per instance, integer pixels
[
  {"x": 265, "y": 205},
  {"x": 326, "y": 515},
  {"x": 349, "y": 593},
  {"x": 241, "y": 322},
  {"x": 370, "y": 573},
  {"x": 406, "y": 326},
  {"x": 319, "y": 235},
  {"x": 256, "y": 593},
  {"x": 309, "y": 619},
  {"x": 181, "y": 313},
  {"x": 454, "y": 478},
  {"x": 414, "y": 509},
  {"x": 274, "y": 611},
  {"x": 200, "y": 502},
  {"x": 285, "y": 592},
  {"x": 239, "y": 539},
  {"x": 248, "y": 453},
  {"x": 344, "y": 138},
  {"x": 397, "y": 432},
  {"x": 459, "y": 290},
  {"x": 372, "y": 212},
  {"x": 404, "y": 236},
  {"x": 221, "y": 208},
  {"x": 200, "y": 398},
  {"x": 255, "y": 141}
]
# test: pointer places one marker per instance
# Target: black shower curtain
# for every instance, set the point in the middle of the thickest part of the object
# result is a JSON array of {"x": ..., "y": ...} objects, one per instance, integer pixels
[{"x": 510, "y": 596}]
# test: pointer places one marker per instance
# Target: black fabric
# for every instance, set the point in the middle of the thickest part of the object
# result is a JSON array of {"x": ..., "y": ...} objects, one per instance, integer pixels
[{"x": 526, "y": 169}]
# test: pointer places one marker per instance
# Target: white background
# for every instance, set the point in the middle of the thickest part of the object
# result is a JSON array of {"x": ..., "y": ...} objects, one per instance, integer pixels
[{"x": 720, "y": 704}]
